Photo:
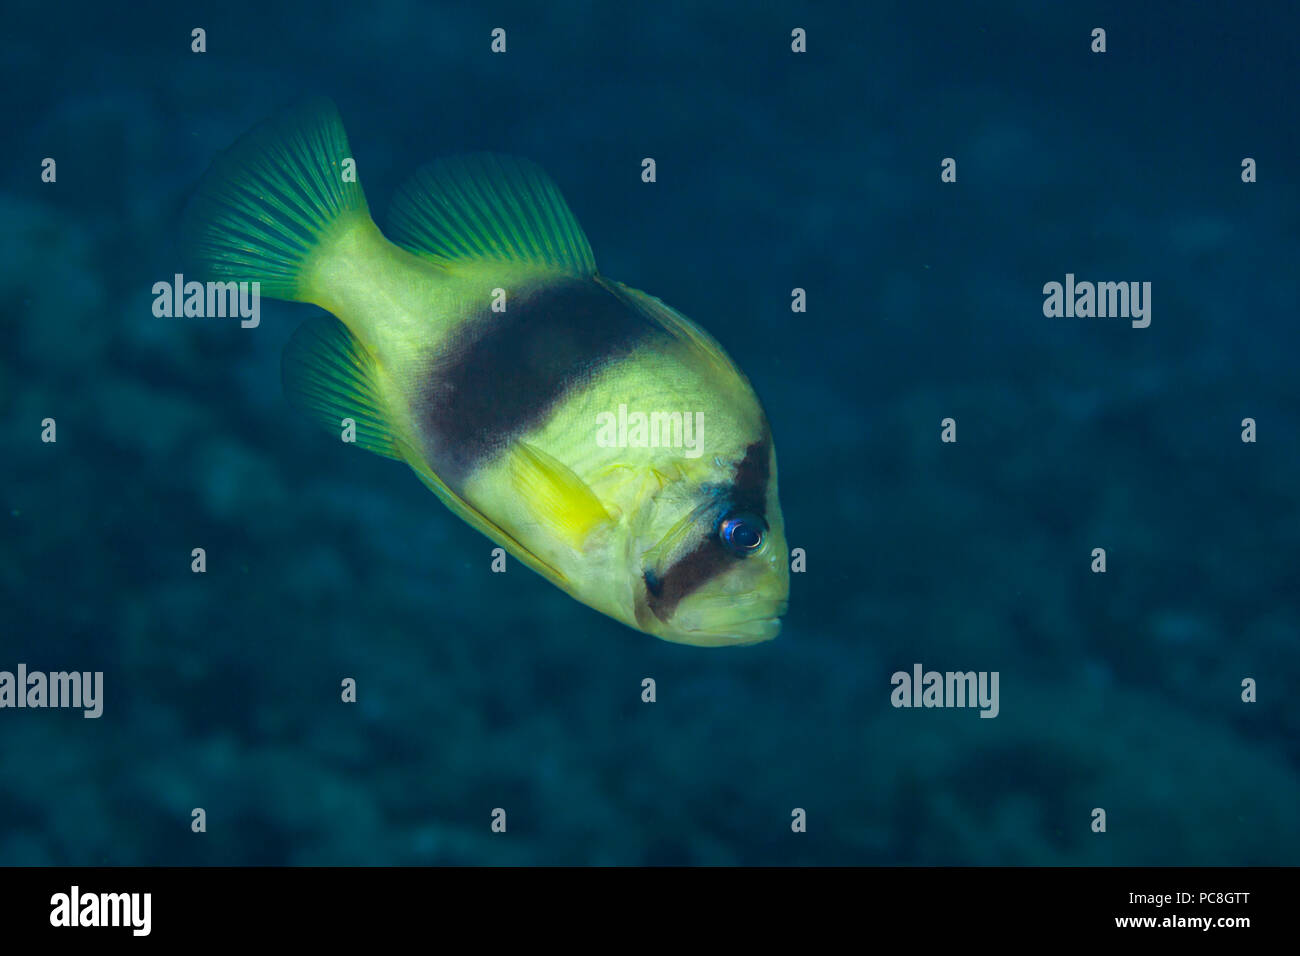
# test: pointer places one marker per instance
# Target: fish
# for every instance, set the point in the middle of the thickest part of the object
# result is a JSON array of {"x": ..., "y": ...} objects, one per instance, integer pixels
[{"x": 540, "y": 401}]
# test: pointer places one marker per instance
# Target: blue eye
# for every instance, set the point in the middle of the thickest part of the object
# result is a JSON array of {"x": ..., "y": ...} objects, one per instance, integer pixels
[{"x": 742, "y": 533}]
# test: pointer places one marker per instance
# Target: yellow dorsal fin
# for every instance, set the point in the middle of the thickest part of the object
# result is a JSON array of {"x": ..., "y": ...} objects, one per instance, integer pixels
[{"x": 560, "y": 500}]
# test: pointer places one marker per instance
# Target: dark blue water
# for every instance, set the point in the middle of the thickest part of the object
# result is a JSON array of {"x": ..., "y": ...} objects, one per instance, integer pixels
[{"x": 1119, "y": 690}]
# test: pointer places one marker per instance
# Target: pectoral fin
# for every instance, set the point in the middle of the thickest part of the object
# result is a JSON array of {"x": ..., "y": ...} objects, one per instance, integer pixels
[{"x": 561, "y": 501}]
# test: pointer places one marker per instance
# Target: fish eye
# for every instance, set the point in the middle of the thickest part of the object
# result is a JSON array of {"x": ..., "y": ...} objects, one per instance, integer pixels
[{"x": 742, "y": 533}]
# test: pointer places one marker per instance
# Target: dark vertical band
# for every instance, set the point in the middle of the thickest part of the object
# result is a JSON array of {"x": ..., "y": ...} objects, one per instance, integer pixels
[{"x": 516, "y": 366}]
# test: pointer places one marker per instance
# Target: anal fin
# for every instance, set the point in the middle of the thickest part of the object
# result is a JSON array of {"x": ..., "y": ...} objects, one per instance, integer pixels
[
  {"x": 330, "y": 375},
  {"x": 485, "y": 526}
]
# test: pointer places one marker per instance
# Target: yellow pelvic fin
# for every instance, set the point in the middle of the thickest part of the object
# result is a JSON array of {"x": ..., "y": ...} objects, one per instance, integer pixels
[
  {"x": 489, "y": 207},
  {"x": 332, "y": 376},
  {"x": 558, "y": 498}
]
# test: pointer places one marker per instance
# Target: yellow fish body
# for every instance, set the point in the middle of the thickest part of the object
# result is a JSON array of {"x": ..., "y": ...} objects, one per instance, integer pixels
[{"x": 482, "y": 347}]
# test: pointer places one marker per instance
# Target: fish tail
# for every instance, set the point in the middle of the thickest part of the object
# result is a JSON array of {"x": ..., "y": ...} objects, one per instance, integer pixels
[{"x": 270, "y": 203}]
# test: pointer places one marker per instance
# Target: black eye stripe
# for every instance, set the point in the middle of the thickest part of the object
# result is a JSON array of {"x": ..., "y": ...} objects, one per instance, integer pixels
[
  {"x": 653, "y": 584},
  {"x": 749, "y": 487},
  {"x": 710, "y": 558}
]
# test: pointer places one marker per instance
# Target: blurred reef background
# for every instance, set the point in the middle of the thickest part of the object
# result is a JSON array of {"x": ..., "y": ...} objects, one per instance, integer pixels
[{"x": 775, "y": 171}]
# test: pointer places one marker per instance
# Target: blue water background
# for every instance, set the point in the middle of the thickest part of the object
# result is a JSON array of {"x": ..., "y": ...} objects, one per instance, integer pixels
[{"x": 1119, "y": 691}]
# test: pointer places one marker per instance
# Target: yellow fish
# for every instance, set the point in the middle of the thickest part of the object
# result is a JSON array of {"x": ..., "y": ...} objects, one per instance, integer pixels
[{"x": 595, "y": 433}]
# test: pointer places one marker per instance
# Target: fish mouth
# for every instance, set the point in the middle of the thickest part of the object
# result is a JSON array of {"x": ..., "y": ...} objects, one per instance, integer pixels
[
  {"x": 752, "y": 631},
  {"x": 762, "y": 624},
  {"x": 739, "y": 634}
]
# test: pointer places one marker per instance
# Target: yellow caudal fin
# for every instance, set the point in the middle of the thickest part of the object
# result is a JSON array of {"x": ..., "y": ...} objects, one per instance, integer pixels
[
  {"x": 274, "y": 197},
  {"x": 488, "y": 207}
]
